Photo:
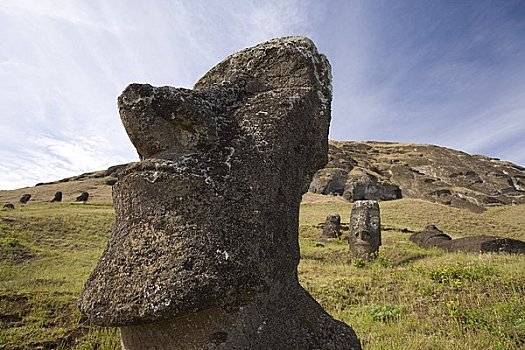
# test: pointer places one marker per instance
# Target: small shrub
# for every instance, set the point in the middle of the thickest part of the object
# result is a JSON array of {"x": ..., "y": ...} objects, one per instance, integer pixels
[
  {"x": 359, "y": 263},
  {"x": 456, "y": 275},
  {"x": 384, "y": 313}
]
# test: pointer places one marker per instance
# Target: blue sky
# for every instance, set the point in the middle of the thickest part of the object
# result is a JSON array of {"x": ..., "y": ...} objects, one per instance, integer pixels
[{"x": 450, "y": 73}]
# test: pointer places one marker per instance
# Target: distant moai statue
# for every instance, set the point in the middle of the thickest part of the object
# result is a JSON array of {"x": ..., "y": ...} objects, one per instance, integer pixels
[
  {"x": 204, "y": 250},
  {"x": 57, "y": 197},
  {"x": 365, "y": 229},
  {"x": 332, "y": 226},
  {"x": 25, "y": 198},
  {"x": 83, "y": 197}
]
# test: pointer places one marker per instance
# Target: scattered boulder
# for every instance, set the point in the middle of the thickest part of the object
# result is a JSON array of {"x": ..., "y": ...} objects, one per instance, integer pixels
[
  {"x": 83, "y": 197},
  {"x": 9, "y": 206},
  {"x": 365, "y": 230},
  {"x": 25, "y": 198},
  {"x": 332, "y": 226},
  {"x": 57, "y": 197},
  {"x": 204, "y": 251},
  {"x": 433, "y": 237}
]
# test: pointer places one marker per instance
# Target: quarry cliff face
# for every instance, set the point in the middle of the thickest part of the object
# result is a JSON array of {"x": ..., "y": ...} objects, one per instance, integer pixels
[{"x": 385, "y": 171}]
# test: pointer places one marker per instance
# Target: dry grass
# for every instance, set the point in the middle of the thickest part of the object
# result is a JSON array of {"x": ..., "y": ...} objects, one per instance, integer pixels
[{"x": 409, "y": 298}]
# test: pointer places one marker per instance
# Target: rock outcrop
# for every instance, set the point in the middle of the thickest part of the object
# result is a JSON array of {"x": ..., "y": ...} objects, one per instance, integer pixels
[
  {"x": 365, "y": 230},
  {"x": 383, "y": 171},
  {"x": 204, "y": 251},
  {"x": 9, "y": 206},
  {"x": 433, "y": 237}
]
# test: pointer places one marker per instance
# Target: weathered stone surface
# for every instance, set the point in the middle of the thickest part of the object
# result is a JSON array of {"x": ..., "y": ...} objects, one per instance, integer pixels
[
  {"x": 383, "y": 171},
  {"x": 332, "y": 226},
  {"x": 57, "y": 197},
  {"x": 204, "y": 251},
  {"x": 433, "y": 237},
  {"x": 362, "y": 185},
  {"x": 9, "y": 206},
  {"x": 329, "y": 181},
  {"x": 365, "y": 229},
  {"x": 430, "y": 237},
  {"x": 25, "y": 198},
  {"x": 84, "y": 196}
]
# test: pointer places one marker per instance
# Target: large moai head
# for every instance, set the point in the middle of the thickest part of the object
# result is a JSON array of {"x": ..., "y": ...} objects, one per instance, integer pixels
[
  {"x": 208, "y": 219},
  {"x": 365, "y": 229}
]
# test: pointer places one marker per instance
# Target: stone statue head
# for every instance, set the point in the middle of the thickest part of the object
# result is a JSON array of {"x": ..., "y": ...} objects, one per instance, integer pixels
[
  {"x": 365, "y": 229},
  {"x": 209, "y": 216}
]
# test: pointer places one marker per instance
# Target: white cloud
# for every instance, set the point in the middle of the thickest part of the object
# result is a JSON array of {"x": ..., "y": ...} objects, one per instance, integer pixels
[{"x": 402, "y": 71}]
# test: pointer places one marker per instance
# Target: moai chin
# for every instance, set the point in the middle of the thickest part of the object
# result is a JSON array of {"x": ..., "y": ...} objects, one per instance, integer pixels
[
  {"x": 204, "y": 251},
  {"x": 332, "y": 226},
  {"x": 365, "y": 229}
]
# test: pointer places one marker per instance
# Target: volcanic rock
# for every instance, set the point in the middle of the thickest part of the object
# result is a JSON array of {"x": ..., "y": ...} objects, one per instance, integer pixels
[
  {"x": 204, "y": 251},
  {"x": 383, "y": 171},
  {"x": 9, "y": 206}
]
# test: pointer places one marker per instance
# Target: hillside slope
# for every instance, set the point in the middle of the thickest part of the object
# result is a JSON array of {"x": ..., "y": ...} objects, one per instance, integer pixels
[
  {"x": 382, "y": 170},
  {"x": 361, "y": 170}
]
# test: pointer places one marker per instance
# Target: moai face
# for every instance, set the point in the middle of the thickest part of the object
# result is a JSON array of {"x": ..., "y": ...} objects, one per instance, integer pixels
[{"x": 365, "y": 229}]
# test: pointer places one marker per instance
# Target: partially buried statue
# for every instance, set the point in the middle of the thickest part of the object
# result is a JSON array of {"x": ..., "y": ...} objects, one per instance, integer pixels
[
  {"x": 365, "y": 230},
  {"x": 433, "y": 237},
  {"x": 204, "y": 251}
]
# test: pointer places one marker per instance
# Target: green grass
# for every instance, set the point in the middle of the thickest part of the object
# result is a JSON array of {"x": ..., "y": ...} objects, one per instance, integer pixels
[
  {"x": 47, "y": 252},
  {"x": 408, "y": 298}
]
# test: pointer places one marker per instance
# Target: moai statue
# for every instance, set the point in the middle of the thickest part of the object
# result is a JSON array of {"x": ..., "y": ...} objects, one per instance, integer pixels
[
  {"x": 204, "y": 251},
  {"x": 57, "y": 197},
  {"x": 365, "y": 230},
  {"x": 25, "y": 198},
  {"x": 332, "y": 226},
  {"x": 83, "y": 197}
]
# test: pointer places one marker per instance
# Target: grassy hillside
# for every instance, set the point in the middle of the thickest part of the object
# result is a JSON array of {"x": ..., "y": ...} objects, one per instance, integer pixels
[{"x": 408, "y": 299}]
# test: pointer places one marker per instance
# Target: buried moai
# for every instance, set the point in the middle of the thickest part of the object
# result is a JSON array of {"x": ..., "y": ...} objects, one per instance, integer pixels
[
  {"x": 25, "y": 198},
  {"x": 57, "y": 197},
  {"x": 332, "y": 226},
  {"x": 204, "y": 251},
  {"x": 365, "y": 230},
  {"x": 83, "y": 197},
  {"x": 433, "y": 237}
]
